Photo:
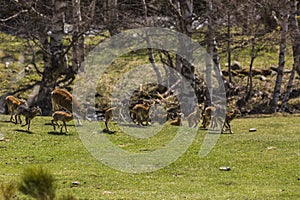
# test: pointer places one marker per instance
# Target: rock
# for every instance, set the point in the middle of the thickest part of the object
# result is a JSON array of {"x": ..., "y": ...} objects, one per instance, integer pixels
[
  {"x": 271, "y": 148},
  {"x": 28, "y": 69},
  {"x": 274, "y": 68},
  {"x": 266, "y": 72},
  {"x": 225, "y": 73},
  {"x": 252, "y": 129},
  {"x": 75, "y": 184},
  {"x": 236, "y": 65},
  {"x": 225, "y": 168},
  {"x": 262, "y": 78},
  {"x": 287, "y": 71}
]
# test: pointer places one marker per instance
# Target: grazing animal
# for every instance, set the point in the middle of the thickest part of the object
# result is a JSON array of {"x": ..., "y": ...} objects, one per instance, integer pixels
[
  {"x": 29, "y": 113},
  {"x": 61, "y": 116},
  {"x": 12, "y": 104},
  {"x": 61, "y": 98},
  {"x": 140, "y": 114}
]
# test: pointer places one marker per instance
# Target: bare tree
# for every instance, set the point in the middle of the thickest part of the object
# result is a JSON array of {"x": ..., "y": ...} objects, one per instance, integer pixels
[
  {"x": 47, "y": 23},
  {"x": 295, "y": 37},
  {"x": 111, "y": 16},
  {"x": 281, "y": 62}
]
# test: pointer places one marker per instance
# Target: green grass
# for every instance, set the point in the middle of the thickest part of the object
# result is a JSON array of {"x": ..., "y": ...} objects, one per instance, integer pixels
[{"x": 264, "y": 164}]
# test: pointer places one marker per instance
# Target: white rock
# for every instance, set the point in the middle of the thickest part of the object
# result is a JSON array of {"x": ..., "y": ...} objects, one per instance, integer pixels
[{"x": 252, "y": 129}]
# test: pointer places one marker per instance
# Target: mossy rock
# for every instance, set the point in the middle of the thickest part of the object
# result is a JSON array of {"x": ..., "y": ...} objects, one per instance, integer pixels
[{"x": 295, "y": 103}]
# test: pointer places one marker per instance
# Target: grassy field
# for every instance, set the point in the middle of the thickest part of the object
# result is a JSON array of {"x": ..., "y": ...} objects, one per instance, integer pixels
[{"x": 264, "y": 164}]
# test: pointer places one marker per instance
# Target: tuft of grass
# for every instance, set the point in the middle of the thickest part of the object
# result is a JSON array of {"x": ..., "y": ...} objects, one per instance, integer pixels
[
  {"x": 8, "y": 191},
  {"x": 37, "y": 183},
  {"x": 67, "y": 197}
]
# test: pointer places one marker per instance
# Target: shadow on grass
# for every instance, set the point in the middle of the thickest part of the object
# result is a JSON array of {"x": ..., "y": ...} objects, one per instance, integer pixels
[
  {"x": 133, "y": 125},
  {"x": 23, "y": 131},
  {"x": 7, "y": 121},
  {"x": 108, "y": 131},
  {"x": 50, "y": 124},
  {"x": 57, "y": 133}
]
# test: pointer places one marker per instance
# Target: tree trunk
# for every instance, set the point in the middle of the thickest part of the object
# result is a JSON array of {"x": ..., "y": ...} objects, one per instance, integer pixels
[
  {"x": 250, "y": 76},
  {"x": 185, "y": 65},
  {"x": 281, "y": 62},
  {"x": 77, "y": 38},
  {"x": 54, "y": 59},
  {"x": 150, "y": 50},
  {"x": 229, "y": 46},
  {"x": 291, "y": 80},
  {"x": 295, "y": 37},
  {"x": 210, "y": 35},
  {"x": 111, "y": 16}
]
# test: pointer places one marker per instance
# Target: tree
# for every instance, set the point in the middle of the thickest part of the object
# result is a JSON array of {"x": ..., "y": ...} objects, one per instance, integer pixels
[
  {"x": 48, "y": 24},
  {"x": 281, "y": 61},
  {"x": 295, "y": 37}
]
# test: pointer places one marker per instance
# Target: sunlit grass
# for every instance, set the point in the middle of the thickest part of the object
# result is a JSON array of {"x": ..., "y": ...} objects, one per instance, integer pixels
[{"x": 264, "y": 164}]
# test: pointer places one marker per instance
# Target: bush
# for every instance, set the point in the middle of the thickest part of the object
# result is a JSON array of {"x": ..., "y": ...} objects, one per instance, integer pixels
[
  {"x": 8, "y": 191},
  {"x": 38, "y": 183},
  {"x": 67, "y": 197}
]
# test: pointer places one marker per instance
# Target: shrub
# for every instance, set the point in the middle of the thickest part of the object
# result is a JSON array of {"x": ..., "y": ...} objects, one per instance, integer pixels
[
  {"x": 38, "y": 183},
  {"x": 67, "y": 197},
  {"x": 8, "y": 191}
]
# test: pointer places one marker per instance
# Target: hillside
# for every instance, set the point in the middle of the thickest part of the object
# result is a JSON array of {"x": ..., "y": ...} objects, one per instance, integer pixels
[{"x": 18, "y": 76}]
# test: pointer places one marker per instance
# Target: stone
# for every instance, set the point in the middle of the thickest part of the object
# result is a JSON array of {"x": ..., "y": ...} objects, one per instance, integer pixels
[
  {"x": 225, "y": 168},
  {"x": 236, "y": 65},
  {"x": 75, "y": 184},
  {"x": 262, "y": 78}
]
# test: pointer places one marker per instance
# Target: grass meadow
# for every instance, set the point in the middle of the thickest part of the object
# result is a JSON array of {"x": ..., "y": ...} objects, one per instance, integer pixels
[{"x": 264, "y": 164}]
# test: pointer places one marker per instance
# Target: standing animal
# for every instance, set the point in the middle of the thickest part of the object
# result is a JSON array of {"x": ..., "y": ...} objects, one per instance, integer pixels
[
  {"x": 61, "y": 98},
  {"x": 108, "y": 114},
  {"x": 206, "y": 117},
  {"x": 194, "y": 117},
  {"x": 61, "y": 116},
  {"x": 140, "y": 114},
  {"x": 177, "y": 121},
  {"x": 230, "y": 115},
  {"x": 12, "y": 104},
  {"x": 29, "y": 113}
]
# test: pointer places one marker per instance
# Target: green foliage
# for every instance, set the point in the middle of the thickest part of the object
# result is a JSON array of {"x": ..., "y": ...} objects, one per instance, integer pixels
[
  {"x": 8, "y": 191},
  {"x": 38, "y": 183}
]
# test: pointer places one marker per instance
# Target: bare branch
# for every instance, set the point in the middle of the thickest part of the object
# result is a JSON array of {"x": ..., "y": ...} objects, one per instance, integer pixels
[{"x": 13, "y": 16}]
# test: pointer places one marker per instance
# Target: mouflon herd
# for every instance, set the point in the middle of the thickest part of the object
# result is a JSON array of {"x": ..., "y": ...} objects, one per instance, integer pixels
[{"x": 143, "y": 113}]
